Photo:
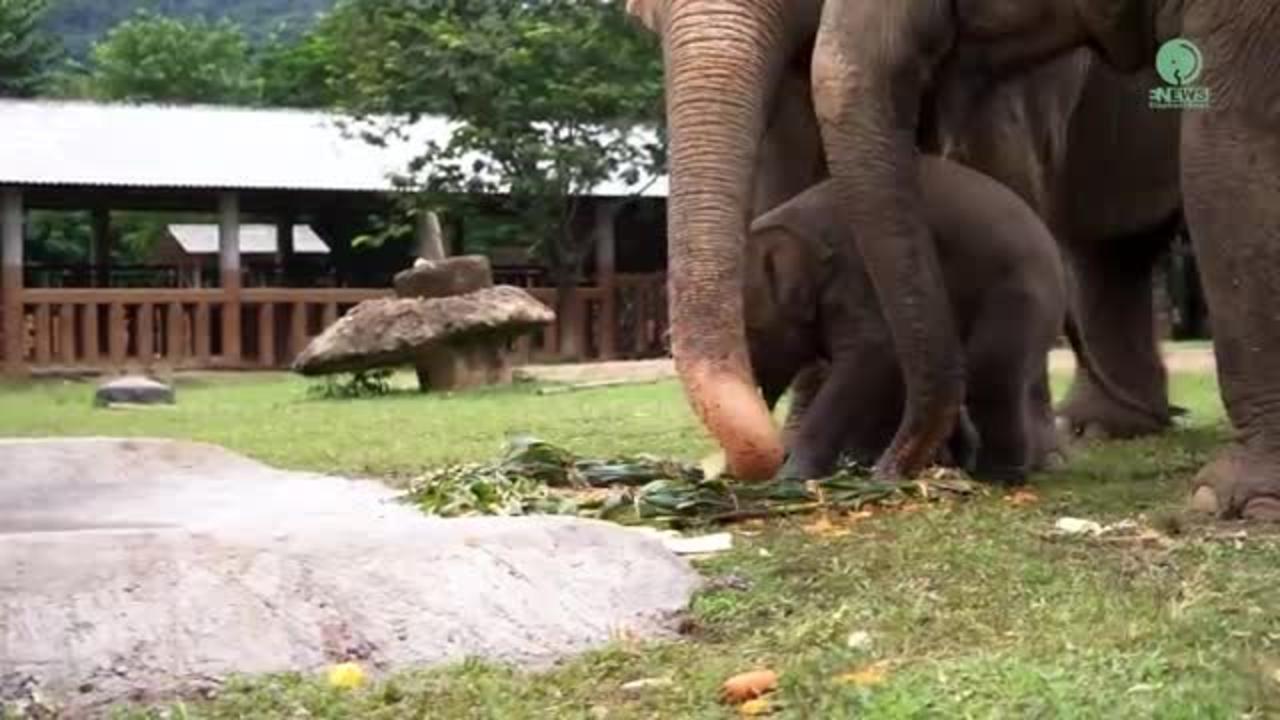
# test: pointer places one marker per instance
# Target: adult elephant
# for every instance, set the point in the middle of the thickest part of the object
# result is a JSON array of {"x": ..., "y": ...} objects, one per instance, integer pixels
[
  {"x": 875, "y": 62},
  {"x": 740, "y": 108}
]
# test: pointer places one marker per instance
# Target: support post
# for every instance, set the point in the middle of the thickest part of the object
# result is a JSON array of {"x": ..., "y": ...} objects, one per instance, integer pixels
[
  {"x": 284, "y": 248},
  {"x": 100, "y": 249},
  {"x": 11, "y": 241},
  {"x": 606, "y": 213},
  {"x": 229, "y": 275},
  {"x": 430, "y": 237}
]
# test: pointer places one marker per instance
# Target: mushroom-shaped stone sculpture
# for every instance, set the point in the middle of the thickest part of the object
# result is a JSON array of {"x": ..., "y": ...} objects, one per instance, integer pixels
[{"x": 391, "y": 332}]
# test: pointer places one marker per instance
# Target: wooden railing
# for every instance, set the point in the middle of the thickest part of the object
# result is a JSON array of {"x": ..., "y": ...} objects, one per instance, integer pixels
[
  {"x": 180, "y": 329},
  {"x": 85, "y": 329}
]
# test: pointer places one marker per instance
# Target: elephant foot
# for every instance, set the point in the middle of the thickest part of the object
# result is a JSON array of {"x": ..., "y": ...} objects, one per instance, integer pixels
[
  {"x": 1238, "y": 484},
  {"x": 1007, "y": 476},
  {"x": 1055, "y": 459},
  {"x": 798, "y": 467},
  {"x": 1094, "y": 416}
]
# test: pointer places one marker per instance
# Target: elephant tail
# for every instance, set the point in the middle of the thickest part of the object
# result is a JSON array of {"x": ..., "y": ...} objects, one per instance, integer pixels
[{"x": 1118, "y": 394}]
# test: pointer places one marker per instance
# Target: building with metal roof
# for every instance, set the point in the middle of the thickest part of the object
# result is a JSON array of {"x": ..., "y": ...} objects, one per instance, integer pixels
[
  {"x": 285, "y": 169},
  {"x": 256, "y": 239},
  {"x": 84, "y": 144}
]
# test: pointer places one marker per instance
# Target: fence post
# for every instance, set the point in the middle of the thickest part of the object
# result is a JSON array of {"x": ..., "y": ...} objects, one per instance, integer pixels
[
  {"x": 606, "y": 275},
  {"x": 229, "y": 265},
  {"x": 11, "y": 240}
]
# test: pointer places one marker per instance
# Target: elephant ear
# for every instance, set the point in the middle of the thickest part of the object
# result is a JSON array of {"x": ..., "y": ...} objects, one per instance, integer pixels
[
  {"x": 792, "y": 275},
  {"x": 648, "y": 12}
]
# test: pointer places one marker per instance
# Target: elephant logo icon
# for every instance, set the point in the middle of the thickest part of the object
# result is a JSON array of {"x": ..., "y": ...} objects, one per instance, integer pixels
[{"x": 1179, "y": 62}]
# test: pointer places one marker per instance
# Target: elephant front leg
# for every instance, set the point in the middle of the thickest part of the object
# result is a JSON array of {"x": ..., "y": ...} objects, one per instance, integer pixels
[
  {"x": 804, "y": 389},
  {"x": 848, "y": 412},
  {"x": 1231, "y": 177},
  {"x": 1113, "y": 308}
]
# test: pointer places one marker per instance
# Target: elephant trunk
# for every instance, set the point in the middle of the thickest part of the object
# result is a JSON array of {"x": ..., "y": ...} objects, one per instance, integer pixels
[
  {"x": 723, "y": 58},
  {"x": 868, "y": 87}
]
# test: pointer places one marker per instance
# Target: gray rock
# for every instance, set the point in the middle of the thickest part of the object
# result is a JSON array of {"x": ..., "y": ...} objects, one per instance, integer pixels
[
  {"x": 134, "y": 390},
  {"x": 445, "y": 278},
  {"x": 148, "y": 568},
  {"x": 387, "y": 332}
]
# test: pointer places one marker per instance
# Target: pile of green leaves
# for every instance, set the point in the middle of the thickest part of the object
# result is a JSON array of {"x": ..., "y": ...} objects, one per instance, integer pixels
[
  {"x": 363, "y": 384},
  {"x": 536, "y": 477}
]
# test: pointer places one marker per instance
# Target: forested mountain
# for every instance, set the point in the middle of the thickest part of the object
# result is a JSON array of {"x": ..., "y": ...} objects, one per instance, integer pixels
[{"x": 78, "y": 23}]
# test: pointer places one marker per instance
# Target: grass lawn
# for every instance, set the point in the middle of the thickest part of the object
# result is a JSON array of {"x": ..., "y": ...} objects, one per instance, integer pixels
[{"x": 974, "y": 611}]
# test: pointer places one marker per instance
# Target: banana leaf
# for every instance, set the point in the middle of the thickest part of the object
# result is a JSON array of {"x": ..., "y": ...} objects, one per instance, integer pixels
[{"x": 535, "y": 477}]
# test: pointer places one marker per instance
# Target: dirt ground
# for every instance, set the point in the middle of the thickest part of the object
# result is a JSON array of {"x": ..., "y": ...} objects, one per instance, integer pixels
[{"x": 1179, "y": 359}]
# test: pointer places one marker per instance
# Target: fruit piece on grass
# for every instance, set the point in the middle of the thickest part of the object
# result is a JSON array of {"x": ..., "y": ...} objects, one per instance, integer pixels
[
  {"x": 346, "y": 675},
  {"x": 748, "y": 686},
  {"x": 868, "y": 676},
  {"x": 756, "y": 708}
]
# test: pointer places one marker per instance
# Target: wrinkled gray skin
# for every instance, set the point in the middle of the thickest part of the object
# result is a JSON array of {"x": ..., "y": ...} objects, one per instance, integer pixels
[
  {"x": 808, "y": 298},
  {"x": 889, "y": 76},
  {"x": 874, "y": 64}
]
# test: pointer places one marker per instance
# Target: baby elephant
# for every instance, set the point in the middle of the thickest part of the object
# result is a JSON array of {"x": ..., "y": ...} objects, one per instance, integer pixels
[{"x": 809, "y": 301}]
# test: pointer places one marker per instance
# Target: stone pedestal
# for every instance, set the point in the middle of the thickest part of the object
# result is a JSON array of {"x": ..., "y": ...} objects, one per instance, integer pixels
[
  {"x": 468, "y": 366},
  {"x": 462, "y": 364}
]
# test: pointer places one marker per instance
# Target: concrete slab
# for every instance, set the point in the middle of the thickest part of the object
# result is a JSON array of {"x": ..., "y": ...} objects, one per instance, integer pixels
[{"x": 148, "y": 568}]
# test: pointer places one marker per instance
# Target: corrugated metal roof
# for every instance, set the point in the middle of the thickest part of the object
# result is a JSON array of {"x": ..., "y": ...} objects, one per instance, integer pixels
[
  {"x": 82, "y": 143},
  {"x": 200, "y": 239}
]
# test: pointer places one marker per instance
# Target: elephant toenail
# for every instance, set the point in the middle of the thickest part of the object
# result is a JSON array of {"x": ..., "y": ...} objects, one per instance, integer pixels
[
  {"x": 1205, "y": 500},
  {"x": 1265, "y": 509}
]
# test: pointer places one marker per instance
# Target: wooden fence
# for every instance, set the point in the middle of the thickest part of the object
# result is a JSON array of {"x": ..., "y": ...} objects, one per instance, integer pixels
[{"x": 74, "y": 330}]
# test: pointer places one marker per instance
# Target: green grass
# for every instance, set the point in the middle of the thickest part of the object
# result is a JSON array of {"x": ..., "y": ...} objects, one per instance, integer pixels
[
  {"x": 273, "y": 418},
  {"x": 980, "y": 614}
]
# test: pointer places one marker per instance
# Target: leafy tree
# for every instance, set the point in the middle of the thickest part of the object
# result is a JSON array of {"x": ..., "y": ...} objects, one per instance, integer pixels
[
  {"x": 81, "y": 23},
  {"x": 300, "y": 71},
  {"x": 545, "y": 96},
  {"x": 25, "y": 51},
  {"x": 150, "y": 58}
]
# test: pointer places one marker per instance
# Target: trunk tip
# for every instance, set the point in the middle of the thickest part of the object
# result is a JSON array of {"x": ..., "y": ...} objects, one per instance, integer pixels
[{"x": 733, "y": 410}]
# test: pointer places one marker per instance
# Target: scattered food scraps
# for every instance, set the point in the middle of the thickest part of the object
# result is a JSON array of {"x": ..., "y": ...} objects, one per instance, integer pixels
[
  {"x": 346, "y": 675},
  {"x": 823, "y": 527},
  {"x": 644, "y": 684},
  {"x": 696, "y": 545},
  {"x": 1077, "y": 526},
  {"x": 748, "y": 686},
  {"x": 858, "y": 640},
  {"x": 868, "y": 676},
  {"x": 1022, "y": 498},
  {"x": 536, "y": 477},
  {"x": 756, "y": 708}
]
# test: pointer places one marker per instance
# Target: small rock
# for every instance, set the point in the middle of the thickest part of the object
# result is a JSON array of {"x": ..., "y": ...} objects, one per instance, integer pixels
[{"x": 134, "y": 390}]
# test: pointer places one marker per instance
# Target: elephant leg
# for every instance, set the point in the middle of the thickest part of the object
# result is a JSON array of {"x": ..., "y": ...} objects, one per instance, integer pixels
[
  {"x": 846, "y": 414},
  {"x": 1231, "y": 177},
  {"x": 804, "y": 389},
  {"x": 963, "y": 446},
  {"x": 1114, "y": 309},
  {"x": 1004, "y": 371},
  {"x": 1047, "y": 447}
]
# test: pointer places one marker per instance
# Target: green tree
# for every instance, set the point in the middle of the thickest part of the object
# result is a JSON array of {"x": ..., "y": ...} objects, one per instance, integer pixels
[
  {"x": 26, "y": 53},
  {"x": 545, "y": 96},
  {"x": 299, "y": 70},
  {"x": 150, "y": 58}
]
